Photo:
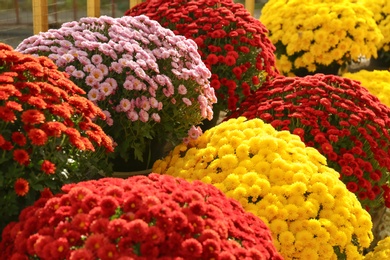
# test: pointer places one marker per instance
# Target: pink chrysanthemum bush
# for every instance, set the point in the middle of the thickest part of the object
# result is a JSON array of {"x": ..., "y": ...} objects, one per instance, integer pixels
[
  {"x": 231, "y": 42},
  {"x": 143, "y": 217},
  {"x": 339, "y": 118},
  {"x": 47, "y": 137},
  {"x": 309, "y": 211},
  {"x": 151, "y": 84}
]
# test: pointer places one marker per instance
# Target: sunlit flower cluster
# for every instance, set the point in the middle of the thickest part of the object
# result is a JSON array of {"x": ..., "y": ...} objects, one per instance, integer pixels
[
  {"x": 381, "y": 251},
  {"x": 232, "y": 43},
  {"x": 47, "y": 137},
  {"x": 310, "y": 212},
  {"x": 312, "y": 35},
  {"x": 150, "y": 83},
  {"x": 339, "y": 118},
  {"x": 154, "y": 217},
  {"x": 381, "y": 11},
  {"x": 377, "y": 82}
]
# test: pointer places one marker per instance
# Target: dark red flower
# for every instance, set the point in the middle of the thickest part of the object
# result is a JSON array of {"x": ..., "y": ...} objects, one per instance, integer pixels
[{"x": 21, "y": 187}]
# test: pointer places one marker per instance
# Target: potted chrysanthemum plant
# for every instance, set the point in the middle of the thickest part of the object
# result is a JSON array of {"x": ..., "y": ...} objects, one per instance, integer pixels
[
  {"x": 381, "y": 14},
  {"x": 153, "y": 217},
  {"x": 231, "y": 42},
  {"x": 310, "y": 212},
  {"x": 47, "y": 136},
  {"x": 151, "y": 84},
  {"x": 320, "y": 36}
]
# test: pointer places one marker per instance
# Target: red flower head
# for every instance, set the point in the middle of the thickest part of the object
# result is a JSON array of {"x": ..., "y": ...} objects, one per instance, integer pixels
[
  {"x": 231, "y": 42},
  {"x": 21, "y": 187},
  {"x": 338, "y": 117},
  {"x": 169, "y": 233}
]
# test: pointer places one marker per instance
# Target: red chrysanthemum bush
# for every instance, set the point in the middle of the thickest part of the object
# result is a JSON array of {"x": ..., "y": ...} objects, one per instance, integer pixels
[
  {"x": 143, "y": 217},
  {"x": 339, "y": 118},
  {"x": 47, "y": 136},
  {"x": 231, "y": 42}
]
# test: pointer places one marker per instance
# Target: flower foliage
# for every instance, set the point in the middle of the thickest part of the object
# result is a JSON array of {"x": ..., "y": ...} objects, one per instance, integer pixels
[
  {"x": 339, "y": 118},
  {"x": 272, "y": 174},
  {"x": 150, "y": 83},
  {"x": 381, "y": 251},
  {"x": 381, "y": 11},
  {"x": 47, "y": 137},
  {"x": 377, "y": 82},
  {"x": 314, "y": 34},
  {"x": 154, "y": 217},
  {"x": 232, "y": 43}
]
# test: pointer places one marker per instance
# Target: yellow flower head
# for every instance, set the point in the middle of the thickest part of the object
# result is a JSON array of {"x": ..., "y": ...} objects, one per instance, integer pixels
[{"x": 274, "y": 176}]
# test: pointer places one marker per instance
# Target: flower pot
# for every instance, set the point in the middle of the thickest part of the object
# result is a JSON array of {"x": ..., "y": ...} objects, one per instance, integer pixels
[
  {"x": 379, "y": 64},
  {"x": 380, "y": 225},
  {"x": 332, "y": 69},
  {"x": 123, "y": 168}
]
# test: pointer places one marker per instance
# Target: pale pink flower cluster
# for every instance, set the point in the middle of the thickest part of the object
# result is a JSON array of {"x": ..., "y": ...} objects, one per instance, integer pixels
[{"x": 133, "y": 69}]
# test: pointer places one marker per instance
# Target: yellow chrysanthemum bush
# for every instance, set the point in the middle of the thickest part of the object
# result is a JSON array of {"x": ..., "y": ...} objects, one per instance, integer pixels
[
  {"x": 381, "y": 251},
  {"x": 381, "y": 12},
  {"x": 309, "y": 211},
  {"x": 316, "y": 36},
  {"x": 377, "y": 82}
]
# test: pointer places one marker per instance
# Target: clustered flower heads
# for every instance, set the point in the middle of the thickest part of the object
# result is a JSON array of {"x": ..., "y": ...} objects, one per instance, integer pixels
[
  {"x": 312, "y": 35},
  {"x": 154, "y": 217},
  {"x": 381, "y": 251},
  {"x": 150, "y": 83},
  {"x": 377, "y": 82},
  {"x": 339, "y": 118},
  {"x": 232, "y": 43},
  {"x": 309, "y": 211},
  {"x": 381, "y": 12},
  {"x": 47, "y": 136}
]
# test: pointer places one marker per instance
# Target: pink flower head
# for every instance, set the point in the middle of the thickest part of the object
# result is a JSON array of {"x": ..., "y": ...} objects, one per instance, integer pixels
[
  {"x": 132, "y": 115},
  {"x": 156, "y": 117},
  {"x": 182, "y": 89},
  {"x": 143, "y": 116},
  {"x": 194, "y": 132},
  {"x": 125, "y": 105},
  {"x": 96, "y": 59},
  {"x": 94, "y": 94},
  {"x": 105, "y": 88},
  {"x": 97, "y": 74}
]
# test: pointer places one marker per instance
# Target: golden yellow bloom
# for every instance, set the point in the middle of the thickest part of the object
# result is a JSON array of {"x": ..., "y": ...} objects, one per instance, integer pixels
[{"x": 276, "y": 177}]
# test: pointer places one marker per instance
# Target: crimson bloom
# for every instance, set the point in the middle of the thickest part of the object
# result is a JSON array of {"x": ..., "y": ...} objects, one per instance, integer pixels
[
  {"x": 149, "y": 234},
  {"x": 21, "y": 187},
  {"x": 338, "y": 117}
]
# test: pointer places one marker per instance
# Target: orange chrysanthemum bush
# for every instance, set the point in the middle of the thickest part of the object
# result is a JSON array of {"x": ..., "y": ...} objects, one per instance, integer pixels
[
  {"x": 142, "y": 217},
  {"x": 232, "y": 43},
  {"x": 339, "y": 118},
  {"x": 309, "y": 211},
  {"x": 47, "y": 136}
]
